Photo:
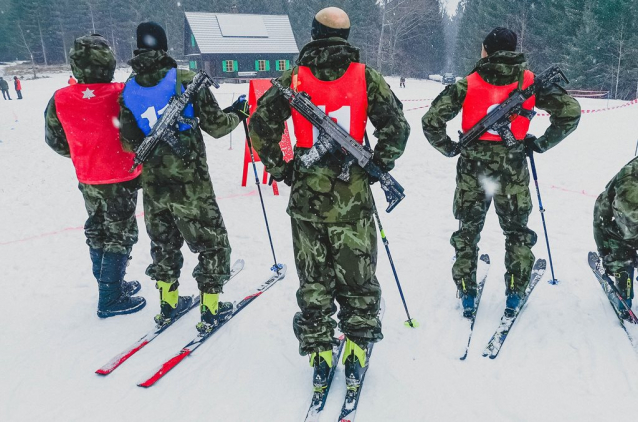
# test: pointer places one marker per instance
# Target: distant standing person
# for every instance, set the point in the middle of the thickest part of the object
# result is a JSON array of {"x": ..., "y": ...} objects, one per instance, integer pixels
[
  {"x": 18, "y": 87},
  {"x": 72, "y": 80},
  {"x": 402, "y": 82},
  {"x": 4, "y": 86}
]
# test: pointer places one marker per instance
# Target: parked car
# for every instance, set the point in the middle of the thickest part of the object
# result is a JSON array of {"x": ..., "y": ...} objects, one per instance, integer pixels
[{"x": 448, "y": 79}]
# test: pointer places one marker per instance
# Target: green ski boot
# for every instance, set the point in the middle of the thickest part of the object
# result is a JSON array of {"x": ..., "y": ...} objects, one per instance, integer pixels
[
  {"x": 172, "y": 305},
  {"x": 355, "y": 361},
  {"x": 321, "y": 363},
  {"x": 213, "y": 312}
]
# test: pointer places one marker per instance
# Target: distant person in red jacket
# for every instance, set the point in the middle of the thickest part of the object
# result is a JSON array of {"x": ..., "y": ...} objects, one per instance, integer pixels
[
  {"x": 18, "y": 87},
  {"x": 72, "y": 80}
]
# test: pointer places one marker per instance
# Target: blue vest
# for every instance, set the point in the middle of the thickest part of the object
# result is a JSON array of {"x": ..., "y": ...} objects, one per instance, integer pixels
[{"x": 148, "y": 103}]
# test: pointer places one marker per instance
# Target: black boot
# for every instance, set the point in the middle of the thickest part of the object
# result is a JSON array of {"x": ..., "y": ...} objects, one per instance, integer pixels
[
  {"x": 128, "y": 287},
  {"x": 113, "y": 301}
]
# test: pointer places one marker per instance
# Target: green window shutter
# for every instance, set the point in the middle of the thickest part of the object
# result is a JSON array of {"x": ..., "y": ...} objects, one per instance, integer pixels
[
  {"x": 224, "y": 66},
  {"x": 192, "y": 40},
  {"x": 277, "y": 64},
  {"x": 287, "y": 64},
  {"x": 193, "y": 64},
  {"x": 267, "y": 65},
  {"x": 235, "y": 66},
  {"x": 257, "y": 65}
]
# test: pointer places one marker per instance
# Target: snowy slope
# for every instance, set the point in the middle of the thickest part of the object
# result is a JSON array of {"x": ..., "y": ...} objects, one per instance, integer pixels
[{"x": 566, "y": 359}]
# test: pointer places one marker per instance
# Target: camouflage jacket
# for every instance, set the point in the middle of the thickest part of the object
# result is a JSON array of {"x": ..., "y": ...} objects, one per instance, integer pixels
[
  {"x": 54, "y": 132},
  {"x": 316, "y": 192},
  {"x": 616, "y": 212},
  {"x": 164, "y": 167},
  {"x": 501, "y": 68}
]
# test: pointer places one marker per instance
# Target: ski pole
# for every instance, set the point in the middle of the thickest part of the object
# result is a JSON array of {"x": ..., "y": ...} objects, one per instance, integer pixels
[
  {"x": 277, "y": 266},
  {"x": 410, "y": 322},
  {"x": 553, "y": 281}
]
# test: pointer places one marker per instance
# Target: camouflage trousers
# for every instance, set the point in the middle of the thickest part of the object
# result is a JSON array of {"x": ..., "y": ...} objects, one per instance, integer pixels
[
  {"x": 180, "y": 212},
  {"x": 111, "y": 225},
  {"x": 616, "y": 252},
  {"x": 336, "y": 261},
  {"x": 513, "y": 210}
]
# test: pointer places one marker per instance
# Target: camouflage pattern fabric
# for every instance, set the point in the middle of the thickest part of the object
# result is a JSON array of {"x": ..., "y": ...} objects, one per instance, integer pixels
[
  {"x": 616, "y": 220},
  {"x": 174, "y": 212},
  {"x": 92, "y": 60},
  {"x": 479, "y": 181},
  {"x": 111, "y": 225},
  {"x": 334, "y": 238},
  {"x": 488, "y": 170},
  {"x": 316, "y": 193},
  {"x": 179, "y": 201},
  {"x": 336, "y": 261}
]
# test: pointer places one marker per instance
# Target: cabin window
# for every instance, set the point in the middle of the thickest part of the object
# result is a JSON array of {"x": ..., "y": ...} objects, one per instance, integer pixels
[
  {"x": 283, "y": 65},
  {"x": 230, "y": 65},
  {"x": 262, "y": 65},
  {"x": 192, "y": 40}
]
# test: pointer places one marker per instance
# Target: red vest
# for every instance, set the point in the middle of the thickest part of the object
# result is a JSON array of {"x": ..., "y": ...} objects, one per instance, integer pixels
[
  {"x": 88, "y": 114},
  {"x": 344, "y": 99},
  {"x": 481, "y": 97}
]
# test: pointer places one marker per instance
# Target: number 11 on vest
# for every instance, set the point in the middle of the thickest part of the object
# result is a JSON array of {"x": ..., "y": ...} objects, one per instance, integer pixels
[{"x": 333, "y": 139}]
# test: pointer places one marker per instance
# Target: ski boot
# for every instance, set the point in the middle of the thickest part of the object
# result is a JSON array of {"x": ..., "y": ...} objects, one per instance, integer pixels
[
  {"x": 321, "y": 363},
  {"x": 624, "y": 282},
  {"x": 213, "y": 312},
  {"x": 172, "y": 305},
  {"x": 512, "y": 304},
  {"x": 355, "y": 361},
  {"x": 468, "y": 300},
  {"x": 112, "y": 300}
]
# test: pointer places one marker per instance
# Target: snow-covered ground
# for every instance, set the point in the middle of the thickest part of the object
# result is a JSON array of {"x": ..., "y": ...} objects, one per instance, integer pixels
[{"x": 567, "y": 359}]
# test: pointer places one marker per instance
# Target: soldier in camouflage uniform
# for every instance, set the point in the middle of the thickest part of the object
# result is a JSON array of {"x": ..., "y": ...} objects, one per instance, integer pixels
[
  {"x": 334, "y": 238},
  {"x": 489, "y": 170},
  {"x": 79, "y": 125},
  {"x": 616, "y": 228},
  {"x": 179, "y": 201}
]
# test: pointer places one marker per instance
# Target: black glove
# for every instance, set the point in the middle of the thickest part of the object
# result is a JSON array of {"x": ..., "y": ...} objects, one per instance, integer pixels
[
  {"x": 240, "y": 108},
  {"x": 286, "y": 175},
  {"x": 530, "y": 144},
  {"x": 454, "y": 150}
]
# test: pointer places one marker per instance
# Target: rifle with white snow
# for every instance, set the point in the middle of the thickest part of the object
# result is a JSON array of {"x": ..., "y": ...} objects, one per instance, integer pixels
[
  {"x": 166, "y": 127},
  {"x": 334, "y": 140}
]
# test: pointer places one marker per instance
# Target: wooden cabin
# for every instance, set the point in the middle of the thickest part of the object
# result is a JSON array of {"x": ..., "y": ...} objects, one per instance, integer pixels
[{"x": 239, "y": 46}]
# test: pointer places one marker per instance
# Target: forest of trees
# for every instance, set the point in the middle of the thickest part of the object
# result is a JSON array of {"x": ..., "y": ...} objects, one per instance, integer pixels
[
  {"x": 397, "y": 36},
  {"x": 596, "y": 41}
]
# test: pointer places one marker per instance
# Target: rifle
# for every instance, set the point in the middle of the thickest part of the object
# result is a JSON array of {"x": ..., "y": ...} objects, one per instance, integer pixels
[
  {"x": 165, "y": 129},
  {"x": 500, "y": 118},
  {"x": 334, "y": 140}
]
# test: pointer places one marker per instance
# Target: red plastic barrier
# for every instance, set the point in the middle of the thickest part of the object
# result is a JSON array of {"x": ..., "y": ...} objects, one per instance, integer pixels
[{"x": 257, "y": 88}]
